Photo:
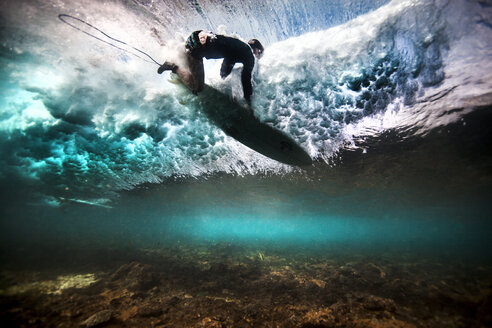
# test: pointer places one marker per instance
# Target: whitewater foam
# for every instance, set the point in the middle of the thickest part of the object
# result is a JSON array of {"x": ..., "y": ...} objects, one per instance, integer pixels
[{"x": 91, "y": 117}]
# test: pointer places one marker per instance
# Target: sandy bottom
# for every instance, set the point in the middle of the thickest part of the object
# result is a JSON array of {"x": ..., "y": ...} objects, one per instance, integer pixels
[{"x": 224, "y": 285}]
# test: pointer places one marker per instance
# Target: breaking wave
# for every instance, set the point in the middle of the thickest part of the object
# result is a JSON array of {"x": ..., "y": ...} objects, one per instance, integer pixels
[{"x": 80, "y": 117}]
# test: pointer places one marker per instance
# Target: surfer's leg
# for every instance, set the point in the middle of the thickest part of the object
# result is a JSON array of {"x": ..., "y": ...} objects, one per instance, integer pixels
[
  {"x": 192, "y": 75},
  {"x": 197, "y": 76},
  {"x": 246, "y": 79},
  {"x": 226, "y": 68}
]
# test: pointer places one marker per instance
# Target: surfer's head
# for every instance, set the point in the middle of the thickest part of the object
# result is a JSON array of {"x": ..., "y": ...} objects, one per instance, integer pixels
[
  {"x": 193, "y": 41},
  {"x": 198, "y": 39},
  {"x": 257, "y": 47},
  {"x": 202, "y": 37}
]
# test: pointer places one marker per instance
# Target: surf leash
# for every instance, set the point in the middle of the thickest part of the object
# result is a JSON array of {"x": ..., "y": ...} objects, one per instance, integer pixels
[{"x": 65, "y": 19}]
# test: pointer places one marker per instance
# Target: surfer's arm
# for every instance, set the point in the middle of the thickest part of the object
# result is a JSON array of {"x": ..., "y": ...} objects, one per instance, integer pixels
[{"x": 226, "y": 68}]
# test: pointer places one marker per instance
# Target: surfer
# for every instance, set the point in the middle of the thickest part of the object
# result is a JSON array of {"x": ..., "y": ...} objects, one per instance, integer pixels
[{"x": 213, "y": 46}]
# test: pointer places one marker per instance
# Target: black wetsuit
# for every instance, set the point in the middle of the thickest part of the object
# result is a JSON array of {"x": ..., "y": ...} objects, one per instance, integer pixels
[{"x": 233, "y": 51}]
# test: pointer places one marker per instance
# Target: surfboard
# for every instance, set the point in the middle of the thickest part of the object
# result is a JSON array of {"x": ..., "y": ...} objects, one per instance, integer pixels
[{"x": 239, "y": 123}]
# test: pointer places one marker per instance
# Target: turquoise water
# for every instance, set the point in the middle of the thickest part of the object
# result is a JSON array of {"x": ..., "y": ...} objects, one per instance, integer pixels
[
  {"x": 408, "y": 200},
  {"x": 390, "y": 99},
  {"x": 123, "y": 203}
]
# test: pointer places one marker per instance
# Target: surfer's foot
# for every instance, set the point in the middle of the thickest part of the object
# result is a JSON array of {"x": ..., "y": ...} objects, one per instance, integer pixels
[
  {"x": 251, "y": 110},
  {"x": 167, "y": 67}
]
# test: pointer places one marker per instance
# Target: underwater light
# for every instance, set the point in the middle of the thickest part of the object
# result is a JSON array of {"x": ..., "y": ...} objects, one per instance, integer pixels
[
  {"x": 308, "y": 229},
  {"x": 52, "y": 286},
  {"x": 264, "y": 228}
]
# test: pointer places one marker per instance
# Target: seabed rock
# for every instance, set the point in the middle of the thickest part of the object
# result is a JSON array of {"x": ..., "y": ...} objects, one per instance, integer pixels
[
  {"x": 136, "y": 276},
  {"x": 189, "y": 288},
  {"x": 374, "y": 303},
  {"x": 98, "y": 319}
]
